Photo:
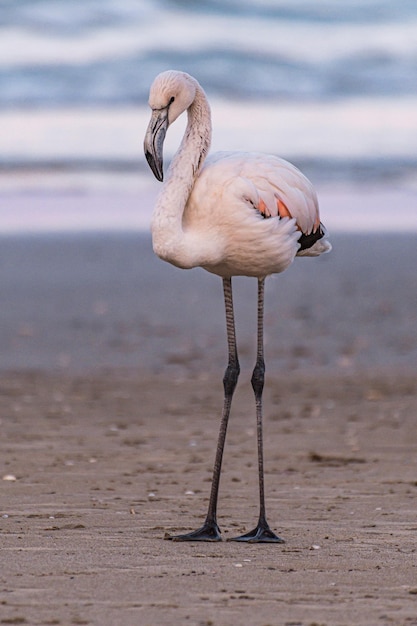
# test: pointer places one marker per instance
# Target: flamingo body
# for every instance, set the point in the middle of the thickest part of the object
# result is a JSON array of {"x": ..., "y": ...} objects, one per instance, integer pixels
[{"x": 234, "y": 213}]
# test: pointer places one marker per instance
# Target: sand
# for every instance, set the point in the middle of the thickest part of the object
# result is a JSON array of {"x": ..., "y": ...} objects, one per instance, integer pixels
[{"x": 110, "y": 395}]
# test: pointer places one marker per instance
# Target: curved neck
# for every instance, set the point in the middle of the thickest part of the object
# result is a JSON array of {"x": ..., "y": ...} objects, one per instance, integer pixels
[
  {"x": 184, "y": 168},
  {"x": 195, "y": 144}
]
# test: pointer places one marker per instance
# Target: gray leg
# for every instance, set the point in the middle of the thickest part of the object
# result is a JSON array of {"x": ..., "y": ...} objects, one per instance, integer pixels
[
  {"x": 210, "y": 530},
  {"x": 262, "y": 533}
]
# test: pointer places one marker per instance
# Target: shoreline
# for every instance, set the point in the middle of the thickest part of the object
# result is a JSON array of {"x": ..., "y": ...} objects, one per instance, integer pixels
[{"x": 106, "y": 202}]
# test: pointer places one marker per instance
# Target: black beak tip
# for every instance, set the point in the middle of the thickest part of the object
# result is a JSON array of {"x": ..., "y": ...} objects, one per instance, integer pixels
[{"x": 157, "y": 171}]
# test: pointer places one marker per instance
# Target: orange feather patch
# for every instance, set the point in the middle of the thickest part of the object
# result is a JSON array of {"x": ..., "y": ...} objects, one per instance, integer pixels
[
  {"x": 262, "y": 208},
  {"x": 283, "y": 209}
]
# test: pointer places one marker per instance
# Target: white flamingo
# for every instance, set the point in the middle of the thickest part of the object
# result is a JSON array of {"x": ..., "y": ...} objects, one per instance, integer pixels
[{"x": 234, "y": 213}]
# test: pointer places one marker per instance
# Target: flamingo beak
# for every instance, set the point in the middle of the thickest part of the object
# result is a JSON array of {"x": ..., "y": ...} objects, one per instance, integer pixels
[{"x": 154, "y": 141}]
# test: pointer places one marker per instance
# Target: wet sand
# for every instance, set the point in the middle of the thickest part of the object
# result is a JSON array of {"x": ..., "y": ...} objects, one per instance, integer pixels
[{"x": 110, "y": 395}]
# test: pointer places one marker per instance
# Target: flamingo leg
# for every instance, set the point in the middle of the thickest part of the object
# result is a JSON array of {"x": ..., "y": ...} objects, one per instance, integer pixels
[
  {"x": 261, "y": 533},
  {"x": 210, "y": 530}
]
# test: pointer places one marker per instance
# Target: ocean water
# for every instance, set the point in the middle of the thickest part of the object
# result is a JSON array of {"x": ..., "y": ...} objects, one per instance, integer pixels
[
  {"x": 332, "y": 86},
  {"x": 58, "y": 53}
]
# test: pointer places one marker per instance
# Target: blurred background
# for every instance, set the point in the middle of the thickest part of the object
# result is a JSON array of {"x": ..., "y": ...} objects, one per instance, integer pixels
[{"x": 331, "y": 86}]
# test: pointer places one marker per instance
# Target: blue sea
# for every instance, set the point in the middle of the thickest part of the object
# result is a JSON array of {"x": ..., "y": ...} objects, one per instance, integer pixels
[{"x": 330, "y": 85}]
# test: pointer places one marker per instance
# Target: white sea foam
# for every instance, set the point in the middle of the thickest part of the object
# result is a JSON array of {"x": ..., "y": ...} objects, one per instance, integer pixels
[
  {"x": 353, "y": 129},
  {"x": 302, "y": 41}
]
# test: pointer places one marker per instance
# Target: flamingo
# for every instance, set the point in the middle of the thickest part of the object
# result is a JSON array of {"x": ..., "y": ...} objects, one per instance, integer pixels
[{"x": 233, "y": 214}]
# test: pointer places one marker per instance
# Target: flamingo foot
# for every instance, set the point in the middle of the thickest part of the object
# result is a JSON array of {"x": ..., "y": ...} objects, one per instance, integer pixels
[
  {"x": 261, "y": 534},
  {"x": 208, "y": 532}
]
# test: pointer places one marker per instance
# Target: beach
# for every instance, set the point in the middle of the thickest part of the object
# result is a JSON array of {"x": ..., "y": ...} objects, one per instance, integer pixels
[
  {"x": 111, "y": 395},
  {"x": 111, "y": 361}
]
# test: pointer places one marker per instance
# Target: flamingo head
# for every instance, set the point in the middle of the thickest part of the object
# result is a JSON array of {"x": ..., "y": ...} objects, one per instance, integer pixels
[{"x": 171, "y": 94}]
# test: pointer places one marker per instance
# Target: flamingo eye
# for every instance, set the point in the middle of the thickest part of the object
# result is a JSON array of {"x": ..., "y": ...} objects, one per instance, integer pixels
[{"x": 171, "y": 100}]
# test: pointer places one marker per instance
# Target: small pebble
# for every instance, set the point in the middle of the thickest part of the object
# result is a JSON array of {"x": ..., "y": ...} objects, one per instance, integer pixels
[{"x": 9, "y": 477}]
